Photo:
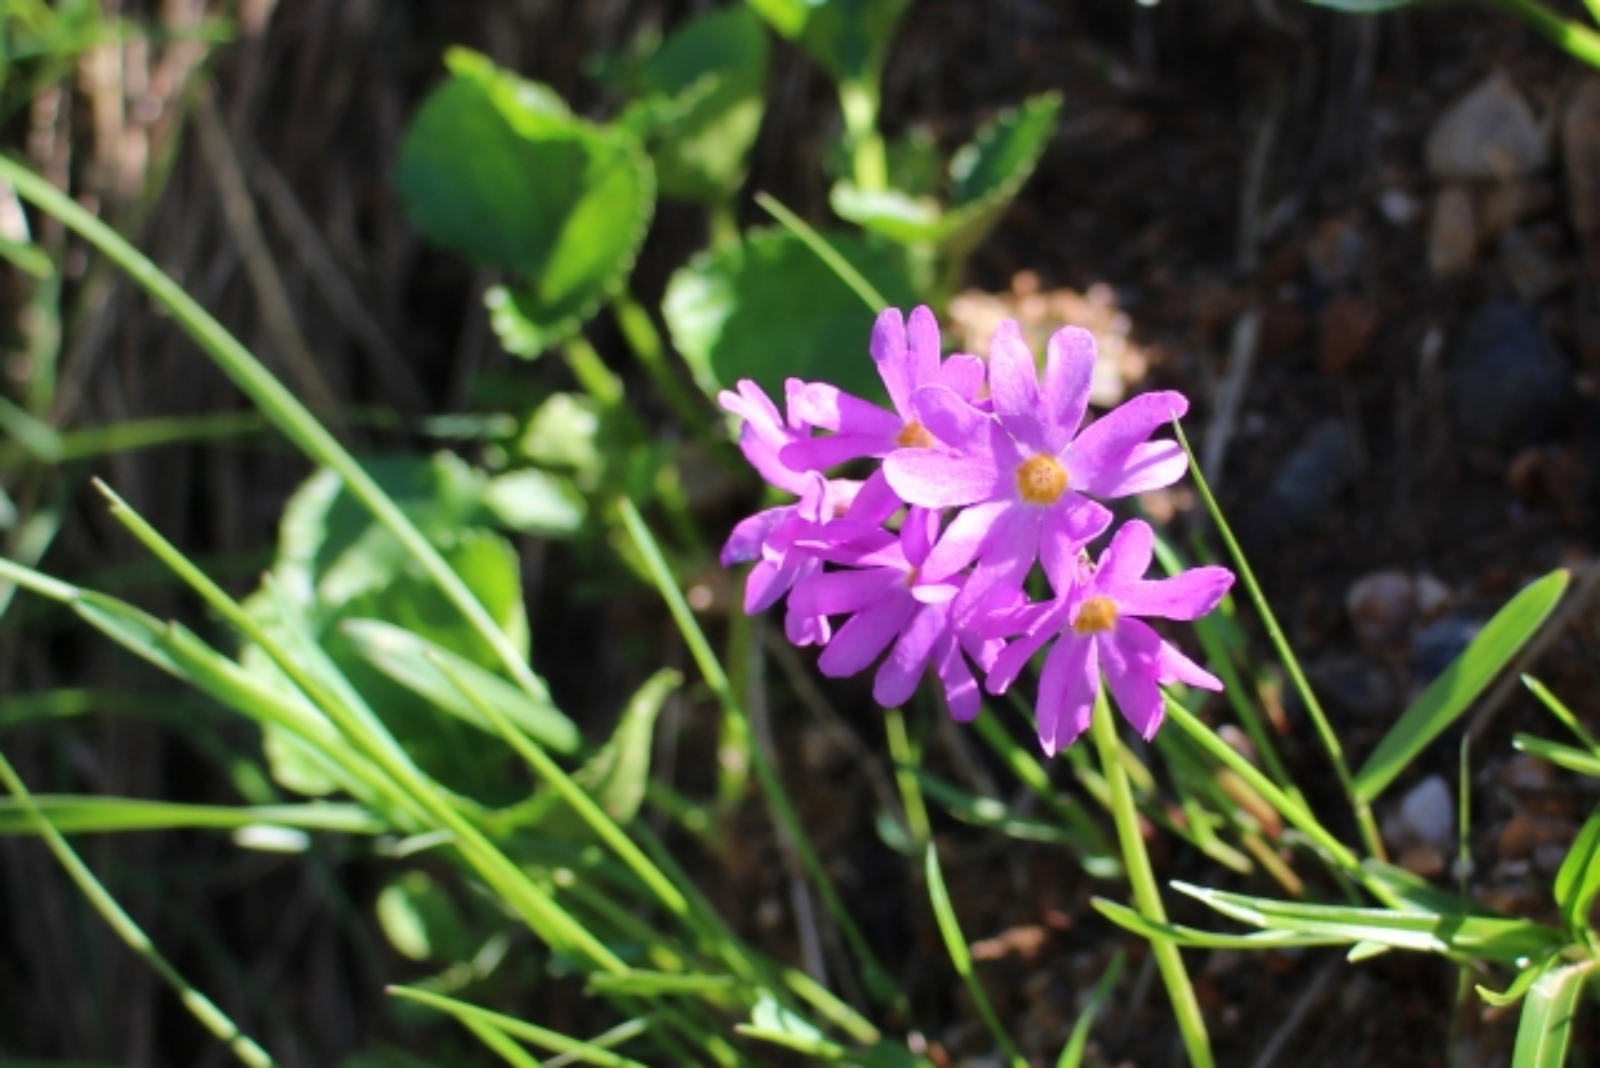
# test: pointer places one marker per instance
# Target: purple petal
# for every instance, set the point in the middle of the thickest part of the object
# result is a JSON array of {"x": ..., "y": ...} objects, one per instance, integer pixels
[
  {"x": 1187, "y": 595},
  {"x": 963, "y": 374},
  {"x": 898, "y": 677},
  {"x": 1131, "y": 657},
  {"x": 1175, "y": 667},
  {"x": 830, "y": 408},
  {"x": 953, "y": 421},
  {"x": 1068, "y": 527},
  {"x": 934, "y": 478},
  {"x": 819, "y": 454},
  {"x": 834, "y": 593},
  {"x": 960, "y": 688},
  {"x": 889, "y": 353},
  {"x": 963, "y": 540},
  {"x": 805, "y": 630},
  {"x": 1013, "y": 658},
  {"x": 765, "y": 586},
  {"x": 1145, "y": 467},
  {"x": 1068, "y": 372},
  {"x": 1007, "y": 556},
  {"x": 1104, "y": 445},
  {"x": 1125, "y": 560},
  {"x": 744, "y": 544},
  {"x": 918, "y": 533},
  {"x": 922, "y": 348},
  {"x": 1067, "y": 689},
  {"x": 1014, "y": 385},
  {"x": 859, "y": 641}
]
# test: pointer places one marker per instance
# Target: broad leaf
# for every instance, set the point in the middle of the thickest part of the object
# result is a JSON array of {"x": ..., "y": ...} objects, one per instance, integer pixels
[
  {"x": 1453, "y": 692},
  {"x": 850, "y": 38},
  {"x": 1547, "y": 1015},
  {"x": 770, "y": 309},
  {"x": 985, "y": 177},
  {"x": 495, "y": 167},
  {"x": 702, "y": 96}
]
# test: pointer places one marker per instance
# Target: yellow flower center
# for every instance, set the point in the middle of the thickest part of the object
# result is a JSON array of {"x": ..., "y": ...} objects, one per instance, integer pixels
[
  {"x": 914, "y": 436},
  {"x": 1098, "y": 614},
  {"x": 1041, "y": 480}
]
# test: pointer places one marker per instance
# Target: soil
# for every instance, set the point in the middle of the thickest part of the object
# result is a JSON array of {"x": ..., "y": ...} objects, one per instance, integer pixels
[{"x": 1219, "y": 163}]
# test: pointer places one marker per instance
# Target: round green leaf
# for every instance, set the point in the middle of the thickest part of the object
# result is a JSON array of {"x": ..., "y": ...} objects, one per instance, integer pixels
[
  {"x": 495, "y": 168},
  {"x": 770, "y": 309}
]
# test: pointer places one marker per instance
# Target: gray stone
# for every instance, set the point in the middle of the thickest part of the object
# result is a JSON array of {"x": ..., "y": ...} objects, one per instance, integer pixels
[
  {"x": 1506, "y": 381},
  {"x": 1489, "y": 134}
]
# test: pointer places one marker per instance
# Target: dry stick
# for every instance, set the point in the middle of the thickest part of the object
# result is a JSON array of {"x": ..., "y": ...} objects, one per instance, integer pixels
[
  {"x": 1297, "y": 1015},
  {"x": 1573, "y": 606},
  {"x": 277, "y": 311},
  {"x": 333, "y": 283},
  {"x": 1229, "y": 393}
]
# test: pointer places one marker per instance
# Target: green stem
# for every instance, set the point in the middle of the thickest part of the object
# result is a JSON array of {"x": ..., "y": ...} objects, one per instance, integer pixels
[
  {"x": 202, "y": 1007},
  {"x": 1330, "y": 741},
  {"x": 1578, "y": 40},
  {"x": 906, "y": 760},
  {"x": 640, "y": 332},
  {"x": 277, "y": 403},
  {"x": 1146, "y": 895},
  {"x": 858, "y": 99}
]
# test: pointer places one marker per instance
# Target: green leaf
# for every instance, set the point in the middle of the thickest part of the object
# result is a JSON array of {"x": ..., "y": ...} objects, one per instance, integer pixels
[
  {"x": 535, "y": 502},
  {"x": 707, "y": 85},
  {"x": 407, "y": 659},
  {"x": 495, "y": 168},
  {"x": 1078, "y": 1041},
  {"x": 1578, "y": 880},
  {"x": 1131, "y": 920},
  {"x": 1546, "y": 1025},
  {"x": 1448, "y": 696},
  {"x": 985, "y": 177},
  {"x": 103, "y": 815},
  {"x": 423, "y": 921},
  {"x": 850, "y": 38},
  {"x": 1491, "y": 938},
  {"x": 648, "y": 984},
  {"x": 1584, "y": 763},
  {"x": 770, "y": 309},
  {"x": 1519, "y": 986}
]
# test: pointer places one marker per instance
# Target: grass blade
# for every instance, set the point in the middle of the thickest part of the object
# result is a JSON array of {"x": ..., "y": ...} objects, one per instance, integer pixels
[
  {"x": 573, "y": 1048},
  {"x": 1072, "y": 1054},
  {"x": 1546, "y": 1025},
  {"x": 1448, "y": 696},
  {"x": 956, "y": 945}
]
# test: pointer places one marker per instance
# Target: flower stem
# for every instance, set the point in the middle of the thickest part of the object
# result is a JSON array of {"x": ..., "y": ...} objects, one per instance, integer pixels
[{"x": 1146, "y": 895}]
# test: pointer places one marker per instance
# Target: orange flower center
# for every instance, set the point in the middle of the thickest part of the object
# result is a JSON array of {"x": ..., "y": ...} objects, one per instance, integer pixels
[
  {"x": 1098, "y": 615},
  {"x": 1041, "y": 480},
  {"x": 914, "y": 436}
]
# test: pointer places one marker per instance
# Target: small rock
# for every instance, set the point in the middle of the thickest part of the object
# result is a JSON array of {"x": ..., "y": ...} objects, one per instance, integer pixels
[
  {"x": 1344, "y": 333},
  {"x": 1381, "y": 606},
  {"x": 1435, "y": 646},
  {"x": 1426, "y": 817},
  {"x": 1452, "y": 233},
  {"x": 1547, "y": 858},
  {"x": 1335, "y": 252},
  {"x": 1490, "y": 133},
  {"x": 1512, "y": 202},
  {"x": 1398, "y": 207},
  {"x": 1507, "y": 381},
  {"x": 1429, "y": 862},
  {"x": 1526, "y": 773},
  {"x": 1532, "y": 272},
  {"x": 1524, "y": 833},
  {"x": 1356, "y": 685},
  {"x": 1432, "y": 595},
  {"x": 1303, "y": 488},
  {"x": 1580, "y": 143}
]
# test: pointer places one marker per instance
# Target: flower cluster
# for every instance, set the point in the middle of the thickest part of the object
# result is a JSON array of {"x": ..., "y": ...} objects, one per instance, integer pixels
[{"x": 984, "y": 471}]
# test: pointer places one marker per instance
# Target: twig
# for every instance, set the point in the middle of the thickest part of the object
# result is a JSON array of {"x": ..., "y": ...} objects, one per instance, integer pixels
[
  {"x": 1297, "y": 1015},
  {"x": 1229, "y": 394},
  {"x": 277, "y": 312}
]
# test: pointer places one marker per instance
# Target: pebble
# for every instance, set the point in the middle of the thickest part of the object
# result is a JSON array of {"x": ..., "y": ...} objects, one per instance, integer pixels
[
  {"x": 1452, "y": 233},
  {"x": 1512, "y": 202},
  {"x": 1580, "y": 141},
  {"x": 1356, "y": 685},
  {"x": 1524, "y": 833},
  {"x": 1303, "y": 488},
  {"x": 1506, "y": 381},
  {"x": 1398, "y": 207},
  {"x": 1489, "y": 134},
  {"x": 1433, "y": 596},
  {"x": 1435, "y": 646},
  {"x": 1533, "y": 273},
  {"x": 1424, "y": 819},
  {"x": 1344, "y": 333},
  {"x": 1336, "y": 250},
  {"x": 1381, "y": 606}
]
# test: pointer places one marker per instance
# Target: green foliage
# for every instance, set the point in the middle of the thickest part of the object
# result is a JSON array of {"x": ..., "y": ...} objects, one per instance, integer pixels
[
  {"x": 769, "y": 309},
  {"x": 699, "y": 105},
  {"x": 849, "y": 38},
  {"x": 496, "y": 168}
]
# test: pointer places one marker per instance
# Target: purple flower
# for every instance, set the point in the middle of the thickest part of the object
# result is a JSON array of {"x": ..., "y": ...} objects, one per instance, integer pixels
[
  {"x": 1020, "y": 474},
  {"x": 1094, "y": 625},
  {"x": 765, "y": 433},
  {"x": 889, "y": 601},
  {"x": 907, "y": 359}
]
